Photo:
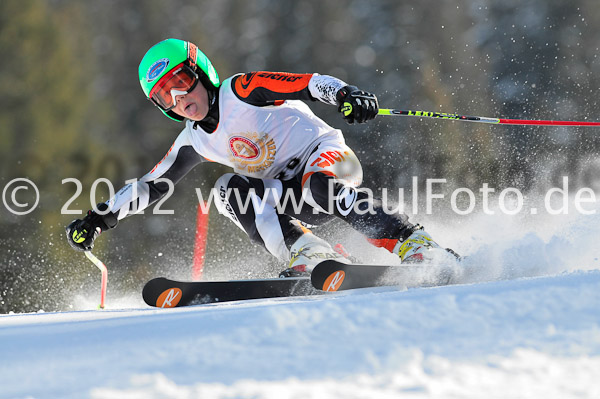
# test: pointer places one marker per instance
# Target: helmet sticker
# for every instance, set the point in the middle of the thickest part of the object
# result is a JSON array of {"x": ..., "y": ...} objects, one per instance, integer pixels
[{"x": 156, "y": 69}]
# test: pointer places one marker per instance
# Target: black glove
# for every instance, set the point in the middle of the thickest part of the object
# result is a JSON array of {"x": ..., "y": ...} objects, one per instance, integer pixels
[
  {"x": 356, "y": 105},
  {"x": 81, "y": 233}
]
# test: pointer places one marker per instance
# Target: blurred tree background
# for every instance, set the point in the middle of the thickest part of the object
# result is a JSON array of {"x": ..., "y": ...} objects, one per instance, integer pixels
[{"x": 71, "y": 107}]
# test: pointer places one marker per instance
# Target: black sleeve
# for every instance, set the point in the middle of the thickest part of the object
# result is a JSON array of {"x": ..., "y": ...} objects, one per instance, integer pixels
[{"x": 134, "y": 197}]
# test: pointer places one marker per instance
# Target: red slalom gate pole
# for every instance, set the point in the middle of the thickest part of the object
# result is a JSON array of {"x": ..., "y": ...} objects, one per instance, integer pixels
[
  {"x": 104, "y": 280},
  {"x": 482, "y": 119},
  {"x": 200, "y": 241}
]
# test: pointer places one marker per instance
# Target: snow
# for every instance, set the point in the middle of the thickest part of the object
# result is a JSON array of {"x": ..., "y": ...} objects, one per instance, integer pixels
[
  {"x": 532, "y": 337},
  {"x": 527, "y": 325}
]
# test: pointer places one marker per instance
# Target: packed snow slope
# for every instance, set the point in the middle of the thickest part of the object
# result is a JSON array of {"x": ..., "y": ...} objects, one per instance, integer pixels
[
  {"x": 525, "y": 323},
  {"x": 529, "y": 338}
]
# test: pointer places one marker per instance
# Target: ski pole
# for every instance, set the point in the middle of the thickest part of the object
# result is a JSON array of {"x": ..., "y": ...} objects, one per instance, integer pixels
[
  {"x": 481, "y": 119},
  {"x": 104, "y": 271}
]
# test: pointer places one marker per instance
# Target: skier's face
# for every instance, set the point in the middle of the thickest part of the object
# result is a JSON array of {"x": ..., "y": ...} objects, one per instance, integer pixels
[{"x": 193, "y": 105}]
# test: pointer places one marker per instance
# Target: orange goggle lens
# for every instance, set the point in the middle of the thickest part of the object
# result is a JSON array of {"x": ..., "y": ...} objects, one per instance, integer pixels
[{"x": 181, "y": 79}]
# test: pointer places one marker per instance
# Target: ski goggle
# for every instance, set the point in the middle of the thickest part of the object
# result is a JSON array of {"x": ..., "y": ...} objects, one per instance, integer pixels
[{"x": 179, "y": 81}]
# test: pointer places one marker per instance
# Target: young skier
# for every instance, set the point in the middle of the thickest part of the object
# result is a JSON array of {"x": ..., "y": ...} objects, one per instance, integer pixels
[{"x": 258, "y": 124}]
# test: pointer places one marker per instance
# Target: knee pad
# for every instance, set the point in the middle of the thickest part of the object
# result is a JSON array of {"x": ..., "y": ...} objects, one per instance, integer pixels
[
  {"x": 338, "y": 161},
  {"x": 333, "y": 160}
]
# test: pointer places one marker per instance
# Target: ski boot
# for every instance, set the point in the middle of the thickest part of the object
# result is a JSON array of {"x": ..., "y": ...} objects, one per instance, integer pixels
[
  {"x": 419, "y": 247},
  {"x": 306, "y": 253}
]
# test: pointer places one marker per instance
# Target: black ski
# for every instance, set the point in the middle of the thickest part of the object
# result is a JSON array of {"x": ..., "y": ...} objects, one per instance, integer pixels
[
  {"x": 331, "y": 275},
  {"x": 164, "y": 293},
  {"x": 328, "y": 275}
]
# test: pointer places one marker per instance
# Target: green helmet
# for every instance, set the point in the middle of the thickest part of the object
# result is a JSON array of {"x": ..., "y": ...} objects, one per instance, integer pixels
[{"x": 164, "y": 56}]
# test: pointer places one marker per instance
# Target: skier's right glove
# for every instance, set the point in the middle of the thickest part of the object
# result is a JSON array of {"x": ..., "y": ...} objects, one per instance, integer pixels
[
  {"x": 81, "y": 233},
  {"x": 356, "y": 105}
]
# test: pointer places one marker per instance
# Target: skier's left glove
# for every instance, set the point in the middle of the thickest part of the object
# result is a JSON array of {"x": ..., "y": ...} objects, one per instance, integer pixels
[
  {"x": 356, "y": 105},
  {"x": 81, "y": 233}
]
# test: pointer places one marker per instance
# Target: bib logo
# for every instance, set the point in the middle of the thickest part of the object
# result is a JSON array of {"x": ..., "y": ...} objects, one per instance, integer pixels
[
  {"x": 253, "y": 152},
  {"x": 241, "y": 147}
]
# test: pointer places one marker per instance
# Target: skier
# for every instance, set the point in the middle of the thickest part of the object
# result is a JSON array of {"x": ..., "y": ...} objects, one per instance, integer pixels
[{"x": 259, "y": 124}]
